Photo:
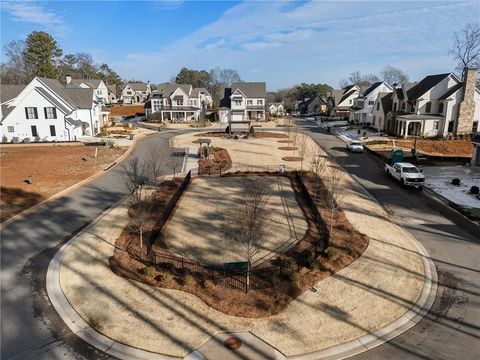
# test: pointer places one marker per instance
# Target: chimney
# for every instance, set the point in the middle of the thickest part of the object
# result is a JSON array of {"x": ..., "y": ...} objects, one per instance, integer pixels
[
  {"x": 466, "y": 109},
  {"x": 68, "y": 79}
]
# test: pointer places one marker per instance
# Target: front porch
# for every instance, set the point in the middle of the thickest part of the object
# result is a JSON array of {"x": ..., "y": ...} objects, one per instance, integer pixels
[
  {"x": 417, "y": 125},
  {"x": 179, "y": 116}
]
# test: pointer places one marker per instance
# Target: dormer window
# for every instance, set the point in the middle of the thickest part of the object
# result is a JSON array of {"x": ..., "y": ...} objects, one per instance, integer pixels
[
  {"x": 403, "y": 106},
  {"x": 428, "y": 107},
  {"x": 440, "y": 108}
]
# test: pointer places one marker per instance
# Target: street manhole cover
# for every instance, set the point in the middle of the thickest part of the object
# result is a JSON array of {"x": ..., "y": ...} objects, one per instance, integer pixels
[{"x": 233, "y": 343}]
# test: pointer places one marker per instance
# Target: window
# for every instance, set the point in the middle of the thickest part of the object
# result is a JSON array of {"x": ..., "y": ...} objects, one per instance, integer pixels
[
  {"x": 10, "y": 129},
  {"x": 350, "y": 101},
  {"x": 249, "y": 102},
  {"x": 31, "y": 113},
  {"x": 99, "y": 92},
  {"x": 259, "y": 102},
  {"x": 394, "y": 106},
  {"x": 52, "y": 130},
  {"x": 428, "y": 107},
  {"x": 194, "y": 102},
  {"x": 435, "y": 125},
  {"x": 129, "y": 92},
  {"x": 403, "y": 106},
  {"x": 450, "y": 126},
  {"x": 50, "y": 113},
  {"x": 474, "y": 127},
  {"x": 371, "y": 102},
  {"x": 34, "y": 131},
  {"x": 440, "y": 108},
  {"x": 179, "y": 102},
  {"x": 378, "y": 106}
]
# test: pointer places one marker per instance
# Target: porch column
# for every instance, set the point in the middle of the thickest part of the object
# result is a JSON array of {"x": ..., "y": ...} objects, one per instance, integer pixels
[{"x": 405, "y": 131}]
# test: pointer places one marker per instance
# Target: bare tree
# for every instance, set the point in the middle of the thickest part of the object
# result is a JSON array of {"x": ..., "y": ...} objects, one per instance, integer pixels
[
  {"x": 294, "y": 138},
  {"x": 174, "y": 162},
  {"x": 371, "y": 78},
  {"x": 333, "y": 192},
  {"x": 355, "y": 77},
  {"x": 13, "y": 72},
  {"x": 134, "y": 175},
  {"x": 466, "y": 48},
  {"x": 248, "y": 224},
  {"x": 343, "y": 83},
  {"x": 302, "y": 149},
  {"x": 317, "y": 167},
  {"x": 392, "y": 75},
  {"x": 154, "y": 163},
  {"x": 140, "y": 212}
]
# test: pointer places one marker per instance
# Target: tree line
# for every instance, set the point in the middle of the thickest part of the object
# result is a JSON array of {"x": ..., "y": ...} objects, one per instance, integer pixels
[{"x": 40, "y": 55}]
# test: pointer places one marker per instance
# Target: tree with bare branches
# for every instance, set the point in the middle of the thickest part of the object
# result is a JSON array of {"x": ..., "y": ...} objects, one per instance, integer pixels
[
  {"x": 466, "y": 48},
  {"x": 154, "y": 162},
  {"x": 317, "y": 166},
  {"x": 294, "y": 138},
  {"x": 140, "y": 212},
  {"x": 173, "y": 162},
  {"x": 302, "y": 149},
  {"x": 333, "y": 192},
  {"x": 248, "y": 224}
]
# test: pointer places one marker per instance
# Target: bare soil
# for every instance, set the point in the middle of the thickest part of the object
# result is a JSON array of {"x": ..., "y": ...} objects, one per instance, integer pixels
[
  {"x": 126, "y": 110},
  {"x": 285, "y": 141},
  {"x": 218, "y": 163},
  {"x": 53, "y": 168},
  {"x": 292, "y": 158},
  {"x": 212, "y": 134},
  {"x": 290, "y": 148},
  {"x": 463, "y": 148},
  {"x": 346, "y": 245}
]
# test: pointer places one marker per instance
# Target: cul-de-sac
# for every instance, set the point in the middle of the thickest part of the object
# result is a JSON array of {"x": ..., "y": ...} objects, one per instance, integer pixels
[{"x": 240, "y": 180}]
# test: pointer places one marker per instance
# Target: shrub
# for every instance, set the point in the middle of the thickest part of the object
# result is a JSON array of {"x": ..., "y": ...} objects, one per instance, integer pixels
[
  {"x": 26, "y": 140},
  {"x": 474, "y": 190},
  {"x": 208, "y": 284},
  {"x": 331, "y": 253},
  {"x": 168, "y": 266},
  {"x": 15, "y": 140},
  {"x": 456, "y": 182},
  {"x": 166, "y": 277},
  {"x": 4, "y": 139},
  {"x": 149, "y": 271},
  {"x": 314, "y": 265},
  {"x": 292, "y": 263},
  {"x": 37, "y": 139},
  {"x": 188, "y": 280},
  {"x": 306, "y": 254},
  {"x": 294, "y": 277}
]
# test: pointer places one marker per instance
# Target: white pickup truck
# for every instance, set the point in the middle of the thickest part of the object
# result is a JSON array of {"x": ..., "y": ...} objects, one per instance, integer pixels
[{"x": 406, "y": 173}]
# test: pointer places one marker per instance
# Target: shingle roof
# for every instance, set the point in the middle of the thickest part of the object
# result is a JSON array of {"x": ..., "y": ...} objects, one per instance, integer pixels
[
  {"x": 167, "y": 89},
  {"x": 58, "y": 89},
  {"x": 9, "y": 92},
  {"x": 112, "y": 88},
  {"x": 346, "y": 96},
  {"x": 386, "y": 103},
  {"x": 476, "y": 139},
  {"x": 196, "y": 92},
  {"x": 347, "y": 88},
  {"x": 93, "y": 83},
  {"x": 138, "y": 86},
  {"x": 83, "y": 98},
  {"x": 373, "y": 87},
  {"x": 251, "y": 89},
  {"x": 451, "y": 91},
  {"x": 50, "y": 98},
  {"x": 424, "y": 85},
  {"x": 399, "y": 93}
]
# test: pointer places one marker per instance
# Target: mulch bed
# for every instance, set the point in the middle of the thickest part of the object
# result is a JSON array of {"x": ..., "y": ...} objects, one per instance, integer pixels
[
  {"x": 291, "y": 148},
  {"x": 267, "y": 134},
  {"x": 292, "y": 158},
  {"x": 285, "y": 141},
  {"x": 220, "y": 163},
  {"x": 346, "y": 245},
  {"x": 212, "y": 134}
]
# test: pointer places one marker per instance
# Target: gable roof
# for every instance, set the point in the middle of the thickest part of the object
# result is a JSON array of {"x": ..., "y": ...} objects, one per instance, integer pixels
[
  {"x": 451, "y": 91},
  {"x": 50, "y": 98},
  {"x": 373, "y": 87},
  {"x": 138, "y": 86},
  {"x": 424, "y": 85},
  {"x": 386, "y": 101},
  {"x": 196, "y": 92},
  {"x": 251, "y": 89},
  {"x": 168, "y": 89},
  {"x": 399, "y": 93},
  {"x": 112, "y": 88},
  {"x": 9, "y": 92},
  {"x": 93, "y": 83},
  {"x": 346, "y": 96},
  {"x": 75, "y": 97},
  {"x": 347, "y": 88}
]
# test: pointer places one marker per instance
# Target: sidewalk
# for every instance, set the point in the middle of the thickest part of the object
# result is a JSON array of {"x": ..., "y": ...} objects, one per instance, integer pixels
[{"x": 388, "y": 289}]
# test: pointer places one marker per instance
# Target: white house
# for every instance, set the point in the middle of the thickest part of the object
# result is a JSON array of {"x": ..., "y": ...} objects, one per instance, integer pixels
[
  {"x": 45, "y": 110},
  {"x": 339, "y": 102},
  {"x": 276, "y": 108},
  {"x": 246, "y": 100},
  {"x": 177, "y": 102},
  {"x": 439, "y": 105},
  {"x": 99, "y": 87},
  {"x": 112, "y": 93},
  {"x": 361, "y": 111},
  {"x": 381, "y": 107},
  {"x": 136, "y": 93}
]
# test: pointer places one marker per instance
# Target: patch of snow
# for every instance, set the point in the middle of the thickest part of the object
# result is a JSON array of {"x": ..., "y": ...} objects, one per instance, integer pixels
[{"x": 439, "y": 179}]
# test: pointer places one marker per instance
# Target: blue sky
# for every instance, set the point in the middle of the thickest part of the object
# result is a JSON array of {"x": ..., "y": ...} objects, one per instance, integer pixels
[{"x": 282, "y": 43}]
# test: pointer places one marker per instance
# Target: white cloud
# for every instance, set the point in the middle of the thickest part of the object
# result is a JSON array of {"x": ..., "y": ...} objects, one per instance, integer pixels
[
  {"x": 313, "y": 42},
  {"x": 36, "y": 13}
]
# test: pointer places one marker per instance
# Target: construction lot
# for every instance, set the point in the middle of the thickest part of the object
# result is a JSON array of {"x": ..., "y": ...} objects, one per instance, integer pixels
[
  {"x": 52, "y": 168},
  {"x": 198, "y": 228}
]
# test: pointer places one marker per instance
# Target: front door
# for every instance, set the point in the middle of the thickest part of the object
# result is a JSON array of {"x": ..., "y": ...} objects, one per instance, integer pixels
[{"x": 34, "y": 131}]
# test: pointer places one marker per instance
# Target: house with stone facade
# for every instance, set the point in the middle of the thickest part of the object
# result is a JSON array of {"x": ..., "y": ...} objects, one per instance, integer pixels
[
  {"x": 177, "y": 102},
  {"x": 45, "y": 110},
  {"x": 438, "y": 106},
  {"x": 136, "y": 93}
]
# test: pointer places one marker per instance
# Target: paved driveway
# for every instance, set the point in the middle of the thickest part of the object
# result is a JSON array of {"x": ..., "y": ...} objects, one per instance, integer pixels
[{"x": 452, "y": 328}]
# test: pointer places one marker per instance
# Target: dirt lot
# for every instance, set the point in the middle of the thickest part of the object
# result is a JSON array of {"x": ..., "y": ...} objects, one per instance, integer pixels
[
  {"x": 53, "y": 168},
  {"x": 463, "y": 148},
  {"x": 126, "y": 110}
]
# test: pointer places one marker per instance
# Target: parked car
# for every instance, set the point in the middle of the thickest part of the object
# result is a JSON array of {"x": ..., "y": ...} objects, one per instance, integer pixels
[
  {"x": 355, "y": 146},
  {"x": 405, "y": 173}
]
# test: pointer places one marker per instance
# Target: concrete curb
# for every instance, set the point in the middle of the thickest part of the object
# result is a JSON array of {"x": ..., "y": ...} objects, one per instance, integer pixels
[
  {"x": 80, "y": 328},
  {"x": 21, "y": 216},
  {"x": 76, "y": 323}
]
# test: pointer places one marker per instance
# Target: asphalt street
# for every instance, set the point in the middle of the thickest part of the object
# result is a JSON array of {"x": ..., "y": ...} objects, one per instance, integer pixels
[
  {"x": 451, "y": 330},
  {"x": 31, "y": 329}
]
